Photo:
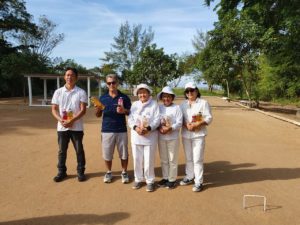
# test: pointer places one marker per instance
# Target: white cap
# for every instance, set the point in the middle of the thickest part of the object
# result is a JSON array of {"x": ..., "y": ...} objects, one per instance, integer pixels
[
  {"x": 140, "y": 86},
  {"x": 166, "y": 90},
  {"x": 190, "y": 85}
]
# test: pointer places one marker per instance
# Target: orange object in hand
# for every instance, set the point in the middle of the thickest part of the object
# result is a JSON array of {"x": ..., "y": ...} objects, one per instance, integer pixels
[{"x": 97, "y": 103}]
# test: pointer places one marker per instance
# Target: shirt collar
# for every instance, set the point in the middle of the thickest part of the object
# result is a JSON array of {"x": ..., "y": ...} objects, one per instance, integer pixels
[{"x": 66, "y": 90}]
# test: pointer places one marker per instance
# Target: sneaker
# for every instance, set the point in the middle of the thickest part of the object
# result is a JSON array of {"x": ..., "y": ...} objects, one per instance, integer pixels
[
  {"x": 171, "y": 185},
  {"x": 107, "y": 177},
  {"x": 150, "y": 187},
  {"x": 60, "y": 177},
  {"x": 197, "y": 187},
  {"x": 162, "y": 183},
  {"x": 137, "y": 185},
  {"x": 185, "y": 181},
  {"x": 125, "y": 178},
  {"x": 81, "y": 177}
]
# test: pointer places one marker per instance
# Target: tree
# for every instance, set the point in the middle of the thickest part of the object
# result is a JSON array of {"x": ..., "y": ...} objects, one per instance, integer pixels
[
  {"x": 127, "y": 46},
  {"x": 46, "y": 41},
  {"x": 60, "y": 66},
  {"x": 13, "y": 19},
  {"x": 155, "y": 68},
  {"x": 279, "y": 21}
]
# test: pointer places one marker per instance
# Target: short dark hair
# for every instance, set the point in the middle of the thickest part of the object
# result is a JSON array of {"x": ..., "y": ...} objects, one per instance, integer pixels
[
  {"x": 198, "y": 93},
  {"x": 74, "y": 70}
]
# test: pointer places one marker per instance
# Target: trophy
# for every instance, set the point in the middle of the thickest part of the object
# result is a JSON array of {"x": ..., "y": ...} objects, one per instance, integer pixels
[{"x": 95, "y": 101}]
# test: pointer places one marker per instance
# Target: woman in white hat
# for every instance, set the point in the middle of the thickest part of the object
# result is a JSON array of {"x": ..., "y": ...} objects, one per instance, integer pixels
[
  {"x": 196, "y": 116},
  {"x": 144, "y": 120},
  {"x": 168, "y": 137}
]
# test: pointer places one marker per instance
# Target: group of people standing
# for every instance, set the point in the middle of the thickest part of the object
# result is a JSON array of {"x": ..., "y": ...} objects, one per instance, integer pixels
[{"x": 151, "y": 125}]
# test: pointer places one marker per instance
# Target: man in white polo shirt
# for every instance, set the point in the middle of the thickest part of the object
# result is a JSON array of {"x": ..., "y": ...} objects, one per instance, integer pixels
[{"x": 68, "y": 107}]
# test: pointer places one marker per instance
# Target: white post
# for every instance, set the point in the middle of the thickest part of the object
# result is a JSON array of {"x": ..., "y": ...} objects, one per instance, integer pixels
[
  {"x": 29, "y": 90},
  {"x": 99, "y": 87},
  {"x": 57, "y": 82},
  {"x": 45, "y": 92},
  {"x": 89, "y": 90}
]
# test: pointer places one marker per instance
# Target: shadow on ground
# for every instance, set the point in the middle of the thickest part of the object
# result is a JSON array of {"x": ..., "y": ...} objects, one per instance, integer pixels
[
  {"x": 223, "y": 173},
  {"x": 110, "y": 219}
]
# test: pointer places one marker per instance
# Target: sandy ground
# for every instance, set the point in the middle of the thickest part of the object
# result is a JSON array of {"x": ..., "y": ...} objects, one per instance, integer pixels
[{"x": 246, "y": 153}]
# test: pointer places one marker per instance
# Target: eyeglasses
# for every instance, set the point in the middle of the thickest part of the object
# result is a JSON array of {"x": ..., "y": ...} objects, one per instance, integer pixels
[
  {"x": 111, "y": 83},
  {"x": 190, "y": 90}
]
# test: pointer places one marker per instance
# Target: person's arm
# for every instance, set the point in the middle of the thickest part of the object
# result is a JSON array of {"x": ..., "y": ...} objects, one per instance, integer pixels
[
  {"x": 155, "y": 118},
  {"x": 206, "y": 117},
  {"x": 55, "y": 113},
  {"x": 69, "y": 123},
  {"x": 125, "y": 108},
  {"x": 98, "y": 111}
]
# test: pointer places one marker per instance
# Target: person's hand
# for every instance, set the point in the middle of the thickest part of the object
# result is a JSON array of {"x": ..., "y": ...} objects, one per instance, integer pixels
[
  {"x": 164, "y": 129},
  {"x": 141, "y": 130},
  {"x": 67, "y": 123},
  {"x": 190, "y": 126},
  {"x": 121, "y": 109},
  {"x": 98, "y": 111}
]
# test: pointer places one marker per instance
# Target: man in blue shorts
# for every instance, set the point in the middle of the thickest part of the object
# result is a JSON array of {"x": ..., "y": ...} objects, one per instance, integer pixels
[{"x": 114, "y": 129}]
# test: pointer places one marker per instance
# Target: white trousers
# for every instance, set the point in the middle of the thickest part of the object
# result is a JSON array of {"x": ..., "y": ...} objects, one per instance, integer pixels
[
  {"x": 194, "y": 155},
  {"x": 168, "y": 151},
  {"x": 144, "y": 156}
]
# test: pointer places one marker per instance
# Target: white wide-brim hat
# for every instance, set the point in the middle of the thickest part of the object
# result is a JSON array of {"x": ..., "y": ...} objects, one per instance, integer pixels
[
  {"x": 166, "y": 90},
  {"x": 140, "y": 86},
  {"x": 190, "y": 85}
]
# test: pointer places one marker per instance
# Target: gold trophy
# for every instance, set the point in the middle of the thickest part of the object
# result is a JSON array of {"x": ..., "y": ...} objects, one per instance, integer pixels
[{"x": 95, "y": 101}]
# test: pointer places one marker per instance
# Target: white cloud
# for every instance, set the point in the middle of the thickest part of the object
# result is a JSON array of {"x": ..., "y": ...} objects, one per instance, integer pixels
[{"x": 90, "y": 25}]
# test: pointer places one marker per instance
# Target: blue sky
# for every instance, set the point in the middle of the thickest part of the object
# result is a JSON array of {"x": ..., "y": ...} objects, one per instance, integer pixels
[{"x": 90, "y": 25}]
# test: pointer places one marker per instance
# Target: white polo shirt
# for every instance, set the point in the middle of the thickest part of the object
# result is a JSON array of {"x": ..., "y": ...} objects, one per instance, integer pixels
[
  {"x": 200, "y": 105},
  {"x": 69, "y": 100}
]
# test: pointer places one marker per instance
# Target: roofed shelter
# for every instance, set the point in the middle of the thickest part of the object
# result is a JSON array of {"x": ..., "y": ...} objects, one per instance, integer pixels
[{"x": 45, "y": 101}]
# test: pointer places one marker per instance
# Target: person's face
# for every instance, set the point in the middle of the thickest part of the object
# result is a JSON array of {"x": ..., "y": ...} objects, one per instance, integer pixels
[
  {"x": 111, "y": 84},
  {"x": 70, "y": 78},
  {"x": 143, "y": 95},
  {"x": 167, "y": 99},
  {"x": 191, "y": 94}
]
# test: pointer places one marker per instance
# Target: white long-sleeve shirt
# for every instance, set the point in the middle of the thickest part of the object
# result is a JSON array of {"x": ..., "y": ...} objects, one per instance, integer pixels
[
  {"x": 173, "y": 112},
  {"x": 140, "y": 111},
  {"x": 189, "y": 110}
]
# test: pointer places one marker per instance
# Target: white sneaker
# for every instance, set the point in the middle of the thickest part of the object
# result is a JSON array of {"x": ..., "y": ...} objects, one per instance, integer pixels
[
  {"x": 125, "y": 178},
  {"x": 185, "y": 181},
  {"x": 197, "y": 187},
  {"x": 107, "y": 178}
]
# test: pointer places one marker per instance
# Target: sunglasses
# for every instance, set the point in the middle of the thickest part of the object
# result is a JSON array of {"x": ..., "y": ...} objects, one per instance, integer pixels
[
  {"x": 190, "y": 90},
  {"x": 111, "y": 83}
]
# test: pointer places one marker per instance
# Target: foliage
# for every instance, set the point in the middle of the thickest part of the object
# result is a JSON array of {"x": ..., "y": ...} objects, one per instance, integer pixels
[
  {"x": 277, "y": 23},
  {"x": 46, "y": 41},
  {"x": 155, "y": 68},
  {"x": 13, "y": 19},
  {"x": 128, "y": 45}
]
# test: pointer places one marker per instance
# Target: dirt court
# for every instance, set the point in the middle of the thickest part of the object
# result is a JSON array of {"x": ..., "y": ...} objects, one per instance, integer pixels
[{"x": 246, "y": 153}]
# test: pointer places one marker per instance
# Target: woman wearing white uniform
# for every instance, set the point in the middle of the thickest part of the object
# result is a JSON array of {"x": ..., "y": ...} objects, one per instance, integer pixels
[
  {"x": 144, "y": 120},
  {"x": 196, "y": 116},
  {"x": 168, "y": 137}
]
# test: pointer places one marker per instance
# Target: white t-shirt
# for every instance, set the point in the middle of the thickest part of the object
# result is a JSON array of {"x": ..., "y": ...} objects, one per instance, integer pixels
[
  {"x": 174, "y": 114},
  {"x": 188, "y": 111},
  {"x": 69, "y": 100}
]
